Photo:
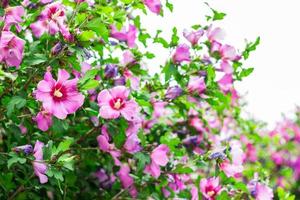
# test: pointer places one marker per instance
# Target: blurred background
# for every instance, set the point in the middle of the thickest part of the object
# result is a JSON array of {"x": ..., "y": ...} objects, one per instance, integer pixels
[{"x": 273, "y": 88}]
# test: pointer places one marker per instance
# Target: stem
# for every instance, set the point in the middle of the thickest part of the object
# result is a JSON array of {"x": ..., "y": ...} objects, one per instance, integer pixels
[
  {"x": 87, "y": 134},
  {"x": 20, "y": 188}
]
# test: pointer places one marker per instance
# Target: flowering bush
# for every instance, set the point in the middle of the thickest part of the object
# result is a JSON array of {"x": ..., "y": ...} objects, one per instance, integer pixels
[{"x": 81, "y": 121}]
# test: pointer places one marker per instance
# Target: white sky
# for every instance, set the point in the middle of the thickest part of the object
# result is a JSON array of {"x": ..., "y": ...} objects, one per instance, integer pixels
[{"x": 273, "y": 88}]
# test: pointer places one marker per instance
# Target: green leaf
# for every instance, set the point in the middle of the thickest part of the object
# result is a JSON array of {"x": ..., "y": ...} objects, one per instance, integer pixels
[
  {"x": 16, "y": 102},
  {"x": 86, "y": 36},
  {"x": 90, "y": 84},
  {"x": 63, "y": 146},
  {"x": 142, "y": 160},
  {"x": 117, "y": 130},
  {"x": 161, "y": 41},
  {"x": 35, "y": 59},
  {"x": 181, "y": 169},
  {"x": 99, "y": 28},
  {"x": 175, "y": 37},
  {"x": 143, "y": 38},
  {"x": 169, "y": 6},
  {"x": 246, "y": 72},
  {"x": 149, "y": 55},
  {"x": 250, "y": 47},
  {"x": 15, "y": 159}
]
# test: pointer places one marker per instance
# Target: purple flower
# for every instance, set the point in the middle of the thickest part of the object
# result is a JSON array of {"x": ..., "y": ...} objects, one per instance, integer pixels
[
  {"x": 173, "y": 92},
  {"x": 27, "y": 149},
  {"x": 111, "y": 71}
]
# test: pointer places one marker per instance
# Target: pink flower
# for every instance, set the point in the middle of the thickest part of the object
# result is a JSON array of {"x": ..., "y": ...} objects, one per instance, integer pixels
[
  {"x": 193, "y": 36},
  {"x": 234, "y": 168},
  {"x": 226, "y": 67},
  {"x": 23, "y": 129},
  {"x": 114, "y": 102},
  {"x": 159, "y": 109},
  {"x": 51, "y": 20},
  {"x": 104, "y": 145},
  {"x": 182, "y": 53},
  {"x": 134, "y": 81},
  {"x": 159, "y": 158},
  {"x": 153, "y": 5},
  {"x": 59, "y": 97},
  {"x": 128, "y": 58},
  {"x": 196, "y": 84},
  {"x": 123, "y": 35},
  {"x": 132, "y": 144},
  {"x": 229, "y": 53},
  {"x": 194, "y": 193},
  {"x": 127, "y": 180},
  {"x": 39, "y": 166},
  {"x": 225, "y": 83},
  {"x": 13, "y": 16},
  {"x": 210, "y": 188},
  {"x": 11, "y": 48},
  {"x": 44, "y": 120},
  {"x": 215, "y": 34},
  {"x": 260, "y": 191}
]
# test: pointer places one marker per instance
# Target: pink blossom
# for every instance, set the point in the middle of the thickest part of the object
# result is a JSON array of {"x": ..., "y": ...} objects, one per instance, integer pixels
[
  {"x": 134, "y": 80},
  {"x": 114, "y": 102},
  {"x": 234, "y": 168},
  {"x": 39, "y": 166},
  {"x": 226, "y": 67},
  {"x": 59, "y": 97},
  {"x": 132, "y": 144},
  {"x": 193, "y": 36},
  {"x": 159, "y": 109},
  {"x": 215, "y": 34},
  {"x": 44, "y": 120},
  {"x": 153, "y": 5},
  {"x": 182, "y": 53},
  {"x": 196, "y": 84},
  {"x": 128, "y": 58},
  {"x": 104, "y": 145},
  {"x": 127, "y": 180},
  {"x": 11, "y": 48},
  {"x": 226, "y": 82},
  {"x": 23, "y": 129},
  {"x": 194, "y": 193},
  {"x": 229, "y": 53},
  {"x": 159, "y": 158},
  {"x": 123, "y": 35},
  {"x": 260, "y": 191},
  {"x": 51, "y": 20},
  {"x": 13, "y": 16},
  {"x": 210, "y": 188}
]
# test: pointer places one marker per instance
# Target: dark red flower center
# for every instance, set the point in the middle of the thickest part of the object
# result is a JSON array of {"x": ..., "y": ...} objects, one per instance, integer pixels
[
  {"x": 59, "y": 92},
  {"x": 117, "y": 103}
]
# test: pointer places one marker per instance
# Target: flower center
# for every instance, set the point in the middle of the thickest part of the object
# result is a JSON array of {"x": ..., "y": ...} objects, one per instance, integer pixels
[
  {"x": 57, "y": 93},
  {"x": 211, "y": 193},
  {"x": 118, "y": 104}
]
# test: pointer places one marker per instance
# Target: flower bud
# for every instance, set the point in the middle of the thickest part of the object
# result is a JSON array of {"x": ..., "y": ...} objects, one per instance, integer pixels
[
  {"x": 111, "y": 71},
  {"x": 173, "y": 92},
  {"x": 120, "y": 81},
  {"x": 57, "y": 48},
  {"x": 27, "y": 149}
]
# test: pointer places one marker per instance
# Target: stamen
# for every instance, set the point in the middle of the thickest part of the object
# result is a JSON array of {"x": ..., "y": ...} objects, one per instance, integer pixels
[{"x": 57, "y": 93}]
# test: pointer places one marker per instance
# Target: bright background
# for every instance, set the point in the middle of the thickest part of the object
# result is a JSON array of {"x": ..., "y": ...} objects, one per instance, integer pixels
[{"x": 273, "y": 88}]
